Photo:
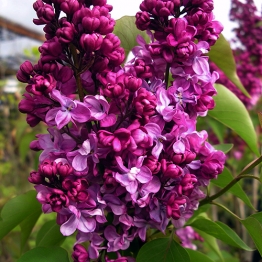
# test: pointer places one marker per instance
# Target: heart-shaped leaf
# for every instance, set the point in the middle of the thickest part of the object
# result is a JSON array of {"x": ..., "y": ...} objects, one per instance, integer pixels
[{"x": 127, "y": 32}]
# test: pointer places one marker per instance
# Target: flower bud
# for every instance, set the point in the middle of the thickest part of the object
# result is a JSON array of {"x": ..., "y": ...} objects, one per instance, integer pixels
[
  {"x": 186, "y": 185},
  {"x": 80, "y": 254},
  {"x": 45, "y": 13},
  {"x": 173, "y": 206},
  {"x": 32, "y": 120},
  {"x": 152, "y": 163},
  {"x": 113, "y": 90},
  {"x": 64, "y": 170},
  {"x": 35, "y": 178},
  {"x": 142, "y": 20},
  {"x": 27, "y": 67},
  {"x": 41, "y": 85},
  {"x": 26, "y": 105},
  {"x": 148, "y": 5},
  {"x": 48, "y": 169},
  {"x": 66, "y": 33},
  {"x": 132, "y": 83},
  {"x": 91, "y": 42},
  {"x": 70, "y": 6},
  {"x": 90, "y": 24},
  {"x": 173, "y": 171}
]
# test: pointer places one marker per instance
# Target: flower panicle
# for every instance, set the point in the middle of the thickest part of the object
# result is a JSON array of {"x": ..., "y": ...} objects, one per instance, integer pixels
[{"x": 122, "y": 140}]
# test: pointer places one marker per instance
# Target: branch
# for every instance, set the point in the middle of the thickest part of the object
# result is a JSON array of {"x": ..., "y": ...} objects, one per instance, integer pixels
[{"x": 208, "y": 199}]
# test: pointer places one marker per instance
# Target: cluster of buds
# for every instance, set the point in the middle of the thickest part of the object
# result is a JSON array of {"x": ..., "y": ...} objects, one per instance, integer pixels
[
  {"x": 248, "y": 53},
  {"x": 122, "y": 153}
]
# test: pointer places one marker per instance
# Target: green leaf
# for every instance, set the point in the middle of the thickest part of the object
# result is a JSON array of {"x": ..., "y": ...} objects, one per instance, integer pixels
[
  {"x": 197, "y": 256},
  {"x": 127, "y": 31},
  {"x": 164, "y": 250},
  {"x": 45, "y": 254},
  {"x": 220, "y": 231},
  {"x": 224, "y": 147},
  {"x": 231, "y": 112},
  {"x": 221, "y": 54},
  {"x": 218, "y": 128},
  {"x": 24, "y": 145},
  {"x": 49, "y": 235},
  {"x": 224, "y": 179},
  {"x": 201, "y": 211},
  {"x": 211, "y": 242},
  {"x": 17, "y": 210},
  {"x": 253, "y": 224},
  {"x": 27, "y": 226}
]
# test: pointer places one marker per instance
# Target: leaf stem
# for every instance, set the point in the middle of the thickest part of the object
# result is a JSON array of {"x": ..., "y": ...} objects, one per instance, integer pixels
[
  {"x": 167, "y": 74},
  {"x": 226, "y": 209},
  {"x": 76, "y": 73},
  {"x": 208, "y": 199}
]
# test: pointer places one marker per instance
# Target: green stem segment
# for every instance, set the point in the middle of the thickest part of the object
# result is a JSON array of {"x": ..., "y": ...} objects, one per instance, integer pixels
[
  {"x": 76, "y": 73},
  {"x": 209, "y": 200},
  {"x": 167, "y": 75},
  {"x": 226, "y": 209}
]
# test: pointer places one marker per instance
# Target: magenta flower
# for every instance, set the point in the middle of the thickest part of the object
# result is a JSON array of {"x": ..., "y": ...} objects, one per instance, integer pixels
[
  {"x": 99, "y": 109},
  {"x": 129, "y": 178},
  {"x": 116, "y": 241},
  {"x": 53, "y": 145},
  {"x": 76, "y": 219},
  {"x": 70, "y": 111},
  {"x": 88, "y": 151}
]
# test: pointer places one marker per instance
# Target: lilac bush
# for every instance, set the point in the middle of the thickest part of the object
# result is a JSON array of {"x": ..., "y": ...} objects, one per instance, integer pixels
[{"x": 122, "y": 154}]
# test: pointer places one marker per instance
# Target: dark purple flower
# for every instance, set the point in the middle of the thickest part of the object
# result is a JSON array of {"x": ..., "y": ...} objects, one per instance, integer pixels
[
  {"x": 51, "y": 198},
  {"x": 76, "y": 189},
  {"x": 174, "y": 205},
  {"x": 91, "y": 42},
  {"x": 40, "y": 85}
]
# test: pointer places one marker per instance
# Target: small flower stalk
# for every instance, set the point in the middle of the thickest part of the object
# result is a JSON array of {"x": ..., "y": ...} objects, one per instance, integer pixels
[{"x": 122, "y": 153}]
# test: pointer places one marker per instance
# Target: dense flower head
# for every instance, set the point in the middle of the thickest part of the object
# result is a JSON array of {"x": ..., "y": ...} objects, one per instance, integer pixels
[{"x": 122, "y": 153}]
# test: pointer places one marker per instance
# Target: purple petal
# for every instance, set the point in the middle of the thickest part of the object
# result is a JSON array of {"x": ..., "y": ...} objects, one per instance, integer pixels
[
  {"x": 109, "y": 120},
  {"x": 86, "y": 224},
  {"x": 132, "y": 187},
  {"x": 62, "y": 118},
  {"x": 69, "y": 227},
  {"x": 144, "y": 175},
  {"x": 50, "y": 116},
  {"x": 110, "y": 233},
  {"x": 79, "y": 162},
  {"x": 152, "y": 186},
  {"x": 157, "y": 149},
  {"x": 81, "y": 113},
  {"x": 179, "y": 147}
]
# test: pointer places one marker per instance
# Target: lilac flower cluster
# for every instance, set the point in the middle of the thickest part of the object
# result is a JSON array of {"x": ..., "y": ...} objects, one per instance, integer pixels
[
  {"x": 248, "y": 54},
  {"x": 122, "y": 153}
]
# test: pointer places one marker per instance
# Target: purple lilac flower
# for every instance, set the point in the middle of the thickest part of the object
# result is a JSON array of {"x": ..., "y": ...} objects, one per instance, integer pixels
[{"x": 122, "y": 154}]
